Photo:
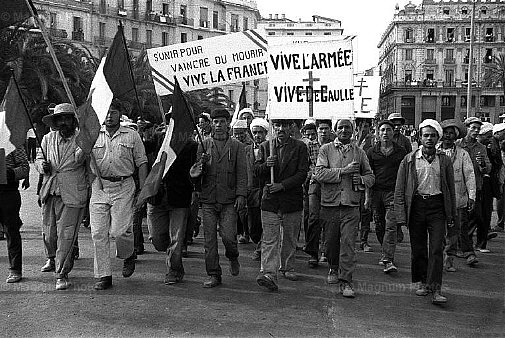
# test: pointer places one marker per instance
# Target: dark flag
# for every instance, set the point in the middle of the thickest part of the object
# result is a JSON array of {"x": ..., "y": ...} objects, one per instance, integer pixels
[{"x": 14, "y": 11}]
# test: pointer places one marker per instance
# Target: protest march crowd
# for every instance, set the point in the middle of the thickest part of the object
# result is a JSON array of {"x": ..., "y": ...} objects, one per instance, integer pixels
[{"x": 265, "y": 182}]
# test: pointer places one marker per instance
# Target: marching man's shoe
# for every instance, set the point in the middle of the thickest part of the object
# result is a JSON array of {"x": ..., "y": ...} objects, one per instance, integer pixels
[
  {"x": 49, "y": 266},
  {"x": 104, "y": 283}
]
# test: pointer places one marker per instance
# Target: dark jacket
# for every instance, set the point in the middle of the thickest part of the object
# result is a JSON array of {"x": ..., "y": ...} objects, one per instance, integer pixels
[
  {"x": 406, "y": 187},
  {"x": 385, "y": 168},
  {"x": 16, "y": 167},
  {"x": 177, "y": 182},
  {"x": 224, "y": 177},
  {"x": 291, "y": 172},
  {"x": 403, "y": 141},
  {"x": 255, "y": 183}
]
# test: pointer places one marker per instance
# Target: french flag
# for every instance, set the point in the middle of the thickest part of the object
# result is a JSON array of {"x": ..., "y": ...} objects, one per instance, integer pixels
[
  {"x": 179, "y": 129},
  {"x": 112, "y": 80}
]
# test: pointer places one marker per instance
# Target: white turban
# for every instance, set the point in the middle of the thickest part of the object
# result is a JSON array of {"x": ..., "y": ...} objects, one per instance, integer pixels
[
  {"x": 486, "y": 127},
  {"x": 498, "y": 127},
  {"x": 240, "y": 124},
  {"x": 259, "y": 122},
  {"x": 434, "y": 124}
]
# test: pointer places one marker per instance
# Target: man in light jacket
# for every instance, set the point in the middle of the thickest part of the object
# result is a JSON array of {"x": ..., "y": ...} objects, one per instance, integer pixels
[
  {"x": 464, "y": 180},
  {"x": 64, "y": 191}
]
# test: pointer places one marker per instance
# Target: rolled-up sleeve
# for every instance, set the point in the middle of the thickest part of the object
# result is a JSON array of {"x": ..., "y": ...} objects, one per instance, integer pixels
[{"x": 139, "y": 151}]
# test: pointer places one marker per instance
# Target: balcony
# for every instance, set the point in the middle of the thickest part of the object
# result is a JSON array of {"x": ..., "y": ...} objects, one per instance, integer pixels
[
  {"x": 489, "y": 38},
  {"x": 183, "y": 20},
  {"x": 222, "y": 27},
  {"x": 450, "y": 61},
  {"x": 122, "y": 12},
  {"x": 430, "y": 61},
  {"x": 78, "y": 35},
  {"x": 204, "y": 23},
  {"x": 135, "y": 44},
  {"x": 58, "y": 33}
]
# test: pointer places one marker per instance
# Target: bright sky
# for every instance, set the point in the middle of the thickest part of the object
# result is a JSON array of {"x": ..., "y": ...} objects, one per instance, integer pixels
[{"x": 367, "y": 19}]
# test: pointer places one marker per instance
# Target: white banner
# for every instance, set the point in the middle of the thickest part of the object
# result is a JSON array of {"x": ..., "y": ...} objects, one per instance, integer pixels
[
  {"x": 211, "y": 62},
  {"x": 366, "y": 96},
  {"x": 313, "y": 79}
]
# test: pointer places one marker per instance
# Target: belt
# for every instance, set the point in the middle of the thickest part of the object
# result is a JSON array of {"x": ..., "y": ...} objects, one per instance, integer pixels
[
  {"x": 116, "y": 178},
  {"x": 427, "y": 197}
]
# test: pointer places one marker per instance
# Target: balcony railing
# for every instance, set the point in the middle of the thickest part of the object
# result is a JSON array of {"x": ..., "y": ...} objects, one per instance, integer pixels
[
  {"x": 58, "y": 33},
  {"x": 222, "y": 27},
  {"x": 204, "y": 23},
  {"x": 430, "y": 61},
  {"x": 449, "y": 61},
  {"x": 78, "y": 35}
]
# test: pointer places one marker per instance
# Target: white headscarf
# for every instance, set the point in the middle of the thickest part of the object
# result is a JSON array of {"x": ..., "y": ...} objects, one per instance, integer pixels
[
  {"x": 259, "y": 122},
  {"x": 434, "y": 124}
]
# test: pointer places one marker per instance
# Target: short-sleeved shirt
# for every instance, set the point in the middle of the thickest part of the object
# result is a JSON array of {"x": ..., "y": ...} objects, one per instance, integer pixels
[{"x": 119, "y": 154}]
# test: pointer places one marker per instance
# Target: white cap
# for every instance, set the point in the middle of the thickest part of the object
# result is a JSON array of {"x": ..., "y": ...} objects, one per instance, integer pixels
[
  {"x": 486, "y": 127},
  {"x": 498, "y": 127}
]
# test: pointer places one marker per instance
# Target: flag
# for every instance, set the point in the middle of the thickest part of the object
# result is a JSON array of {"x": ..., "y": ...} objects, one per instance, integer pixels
[
  {"x": 180, "y": 128},
  {"x": 242, "y": 103},
  {"x": 14, "y": 120},
  {"x": 112, "y": 80},
  {"x": 14, "y": 11}
]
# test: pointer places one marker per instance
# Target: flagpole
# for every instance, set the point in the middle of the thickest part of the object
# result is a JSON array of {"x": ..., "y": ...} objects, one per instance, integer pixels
[
  {"x": 162, "y": 111},
  {"x": 27, "y": 114},
  {"x": 272, "y": 150},
  {"x": 190, "y": 111},
  {"x": 130, "y": 67},
  {"x": 45, "y": 35}
]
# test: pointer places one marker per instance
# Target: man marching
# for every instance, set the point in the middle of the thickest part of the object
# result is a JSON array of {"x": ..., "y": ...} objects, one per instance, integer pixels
[
  {"x": 64, "y": 191},
  {"x": 118, "y": 150}
]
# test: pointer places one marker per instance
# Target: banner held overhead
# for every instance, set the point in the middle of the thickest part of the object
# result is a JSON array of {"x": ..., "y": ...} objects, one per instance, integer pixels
[
  {"x": 313, "y": 79},
  {"x": 211, "y": 62}
]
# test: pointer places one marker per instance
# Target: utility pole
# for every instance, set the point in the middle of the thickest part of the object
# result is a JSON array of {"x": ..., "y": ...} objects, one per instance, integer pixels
[{"x": 470, "y": 62}]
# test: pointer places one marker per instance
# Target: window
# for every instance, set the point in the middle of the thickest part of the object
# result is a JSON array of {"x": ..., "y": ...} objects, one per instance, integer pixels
[
  {"x": 101, "y": 30},
  {"x": 149, "y": 38},
  {"x": 52, "y": 20},
  {"x": 120, "y": 4},
  {"x": 446, "y": 101},
  {"x": 468, "y": 31},
  {"x": 430, "y": 54},
  {"x": 502, "y": 100},
  {"x": 409, "y": 35},
  {"x": 430, "y": 37},
  {"x": 204, "y": 17},
  {"x": 463, "y": 101},
  {"x": 489, "y": 55},
  {"x": 290, "y": 33},
  {"x": 184, "y": 11},
  {"x": 449, "y": 77},
  {"x": 449, "y": 54},
  {"x": 430, "y": 74},
  {"x": 483, "y": 10},
  {"x": 308, "y": 33},
  {"x": 408, "y": 54},
  {"x": 272, "y": 33},
  {"x": 200, "y": 37},
  {"x": 234, "y": 23},
  {"x": 408, "y": 76},
  {"x": 327, "y": 33},
  {"x": 77, "y": 24},
  {"x": 489, "y": 34},
  {"x": 149, "y": 6},
  {"x": 446, "y": 11},
  {"x": 464, "y": 11},
  {"x": 103, "y": 7},
  {"x": 485, "y": 117},
  {"x": 135, "y": 9},
  {"x": 165, "y": 9},
  {"x": 467, "y": 56},
  {"x": 184, "y": 37},
  {"x": 246, "y": 24},
  {"x": 450, "y": 34},
  {"x": 215, "y": 20},
  {"x": 164, "y": 38},
  {"x": 135, "y": 34}
]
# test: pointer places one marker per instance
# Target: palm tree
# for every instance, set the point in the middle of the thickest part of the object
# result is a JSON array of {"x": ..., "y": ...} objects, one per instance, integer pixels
[{"x": 494, "y": 72}]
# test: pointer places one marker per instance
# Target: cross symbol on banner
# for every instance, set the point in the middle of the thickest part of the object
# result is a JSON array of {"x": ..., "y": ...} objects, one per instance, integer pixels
[
  {"x": 311, "y": 81},
  {"x": 361, "y": 86}
]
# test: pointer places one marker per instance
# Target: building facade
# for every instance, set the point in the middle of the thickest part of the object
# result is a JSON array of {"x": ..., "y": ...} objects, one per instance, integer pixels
[
  {"x": 424, "y": 60},
  {"x": 147, "y": 23}
]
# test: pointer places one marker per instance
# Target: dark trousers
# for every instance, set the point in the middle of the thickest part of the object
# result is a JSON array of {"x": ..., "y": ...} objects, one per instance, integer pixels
[
  {"x": 192, "y": 222},
  {"x": 242, "y": 227},
  {"x": 254, "y": 223},
  {"x": 500, "y": 210},
  {"x": 10, "y": 204},
  {"x": 487, "y": 210},
  {"x": 313, "y": 233},
  {"x": 464, "y": 240},
  {"x": 138, "y": 236},
  {"x": 427, "y": 225},
  {"x": 365, "y": 219}
]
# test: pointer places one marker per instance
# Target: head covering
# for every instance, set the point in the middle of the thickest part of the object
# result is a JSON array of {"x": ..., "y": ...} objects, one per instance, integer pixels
[
  {"x": 396, "y": 116},
  {"x": 61, "y": 109},
  {"x": 259, "y": 122},
  {"x": 434, "y": 124},
  {"x": 458, "y": 126},
  {"x": 245, "y": 110},
  {"x": 240, "y": 124},
  {"x": 498, "y": 127},
  {"x": 471, "y": 120},
  {"x": 485, "y": 128},
  {"x": 220, "y": 112},
  {"x": 388, "y": 122},
  {"x": 205, "y": 116},
  {"x": 309, "y": 121}
]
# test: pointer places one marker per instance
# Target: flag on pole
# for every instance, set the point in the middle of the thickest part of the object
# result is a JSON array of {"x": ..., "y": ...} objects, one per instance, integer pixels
[
  {"x": 14, "y": 121},
  {"x": 14, "y": 11},
  {"x": 179, "y": 130},
  {"x": 242, "y": 103},
  {"x": 111, "y": 80}
]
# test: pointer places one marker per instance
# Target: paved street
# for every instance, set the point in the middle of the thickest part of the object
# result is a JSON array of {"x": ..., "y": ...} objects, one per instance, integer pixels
[{"x": 144, "y": 306}]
